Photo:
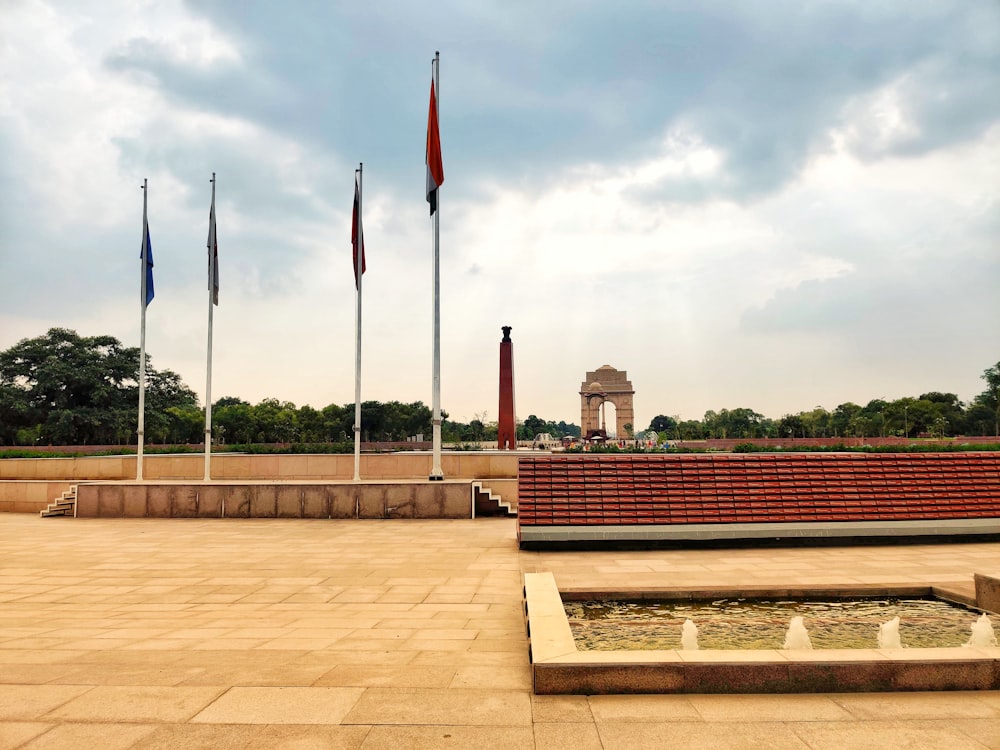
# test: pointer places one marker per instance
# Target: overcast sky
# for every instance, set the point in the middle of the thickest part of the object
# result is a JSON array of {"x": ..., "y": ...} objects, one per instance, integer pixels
[{"x": 774, "y": 205}]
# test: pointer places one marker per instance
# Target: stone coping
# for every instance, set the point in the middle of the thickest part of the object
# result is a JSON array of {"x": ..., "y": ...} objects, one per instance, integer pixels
[
  {"x": 230, "y": 482},
  {"x": 558, "y": 667},
  {"x": 685, "y": 532},
  {"x": 237, "y": 467}
]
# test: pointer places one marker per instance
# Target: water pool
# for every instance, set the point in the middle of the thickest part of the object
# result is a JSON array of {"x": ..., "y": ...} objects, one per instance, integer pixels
[{"x": 762, "y": 624}]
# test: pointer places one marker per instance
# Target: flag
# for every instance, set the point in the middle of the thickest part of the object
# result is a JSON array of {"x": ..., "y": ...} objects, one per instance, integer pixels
[
  {"x": 146, "y": 254},
  {"x": 435, "y": 169},
  {"x": 357, "y": 235},
  {"x": 213, "y": 254}
]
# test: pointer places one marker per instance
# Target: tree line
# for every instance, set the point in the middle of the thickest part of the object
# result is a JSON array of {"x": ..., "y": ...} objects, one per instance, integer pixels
[
  {"x": 67, "y": 389},
  {"x": 480, "y": 429},
  {"x": 931, "y": 414}
]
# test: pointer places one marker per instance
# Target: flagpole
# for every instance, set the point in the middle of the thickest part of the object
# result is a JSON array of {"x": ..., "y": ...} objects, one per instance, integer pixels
[
  {"x": 142, "y": 333},
  {"x": 437, "y": 474},
  {"x": 358, "y": 252},
  {"x": 211, "y": 305}
]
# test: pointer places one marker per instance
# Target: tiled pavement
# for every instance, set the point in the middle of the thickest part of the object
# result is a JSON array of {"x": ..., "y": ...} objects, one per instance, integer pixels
[{"x": 397, "y": 634}]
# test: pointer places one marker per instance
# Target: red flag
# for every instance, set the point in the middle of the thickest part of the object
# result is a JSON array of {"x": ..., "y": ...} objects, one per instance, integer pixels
[
  {"x": 435, "y": 169},
  {"x": 357, "y": 235}
]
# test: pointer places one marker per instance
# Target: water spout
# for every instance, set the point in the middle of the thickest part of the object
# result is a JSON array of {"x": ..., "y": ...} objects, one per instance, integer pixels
[
  {"x": 797, "y": 636},
  {"x": 888, "y": 634},
  {"x": 689, "y": 636},
  {"x": 982, "y": 632}
]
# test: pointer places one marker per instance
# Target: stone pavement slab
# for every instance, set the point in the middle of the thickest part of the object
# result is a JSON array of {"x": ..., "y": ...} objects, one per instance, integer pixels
[
  {"x": 30, "y": 702},
  {"x": 455, "y": 706},
  {"x": 280, "y": 705},
  {"x": 128, "y": 703},
  {"x": 280, "y": 633},
  {"x": 104, "y": 736}
]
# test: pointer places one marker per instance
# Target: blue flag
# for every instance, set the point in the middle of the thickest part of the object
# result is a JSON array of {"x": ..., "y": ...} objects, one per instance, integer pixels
[{"x": 147, "y": 257}]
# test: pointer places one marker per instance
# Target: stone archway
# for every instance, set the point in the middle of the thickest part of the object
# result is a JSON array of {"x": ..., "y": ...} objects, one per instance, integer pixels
[{"x": 606, "y": 384}]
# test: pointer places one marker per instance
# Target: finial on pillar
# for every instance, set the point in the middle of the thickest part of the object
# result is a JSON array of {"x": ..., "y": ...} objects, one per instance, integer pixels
[{"x": 506, "y": 333}]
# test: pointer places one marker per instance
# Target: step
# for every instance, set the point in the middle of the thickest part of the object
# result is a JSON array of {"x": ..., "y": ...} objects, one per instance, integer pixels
[
  {"x": 64, "y": 505},
  {"x": 509, "y": 509}
]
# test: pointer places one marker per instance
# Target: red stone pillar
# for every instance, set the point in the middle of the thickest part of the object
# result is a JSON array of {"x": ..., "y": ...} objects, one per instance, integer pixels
[{"x": 506, "y": 424}]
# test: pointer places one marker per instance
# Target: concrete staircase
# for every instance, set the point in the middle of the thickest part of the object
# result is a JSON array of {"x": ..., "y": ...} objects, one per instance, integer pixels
[
  {"x": 64, "y": 505},
  {"x": 478, "y": 490}
]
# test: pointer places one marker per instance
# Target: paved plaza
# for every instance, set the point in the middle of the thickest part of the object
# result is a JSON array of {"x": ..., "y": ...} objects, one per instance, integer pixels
[{"x": 142, "y": 633}]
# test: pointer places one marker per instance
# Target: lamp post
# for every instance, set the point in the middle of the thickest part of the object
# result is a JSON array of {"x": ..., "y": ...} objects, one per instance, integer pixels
[{"x": 906, "y": 425}]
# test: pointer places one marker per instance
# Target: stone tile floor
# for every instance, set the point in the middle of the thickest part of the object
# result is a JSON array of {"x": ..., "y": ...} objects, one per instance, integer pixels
[{"x": 392, "y": 634}]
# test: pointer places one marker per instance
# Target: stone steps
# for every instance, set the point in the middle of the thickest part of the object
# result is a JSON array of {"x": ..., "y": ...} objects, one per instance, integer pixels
[
  {"x": 478, "y": 488},
  {"x": 64, "y": 505}
]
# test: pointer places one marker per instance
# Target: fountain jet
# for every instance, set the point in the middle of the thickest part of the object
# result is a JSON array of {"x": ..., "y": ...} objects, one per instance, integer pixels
[
  {"x": 797, "y": 636},
  {"x": 982, "y": 632},
  {"x": 888, "y": 634},
  {"x": 689, "y": 636}
]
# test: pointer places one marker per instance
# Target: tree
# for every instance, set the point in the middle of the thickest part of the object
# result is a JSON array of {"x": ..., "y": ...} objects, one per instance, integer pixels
[
  {"x": 311, "y": 425},
  {"x": 234, "y": 423},
  {"x": 334, "y": 425},
  {"x": 734, "y": 423},
  {"x": 663, "y": 423},
  {"x": 843, "y": 420},
  {"x": 562, "y": 429},
  {"x": 532, "y": 426},
  {"x": 949, "y": 415},
  {"x": 67, "y": 389},
  {"x": 791, "y": 425},
  {"x": 989, "y": 400},
  {"x": 690, "y": 429},
  {"x": 275, "y": 421},
  {"x": 165, "y": 391},
  {"x": 185, "y": 424},
  {"x": 13, "y": 415},
  {"x": 476, "y": 430},
  {"x": 874, "y": 414},
  {"x": 228, "y": 401}
]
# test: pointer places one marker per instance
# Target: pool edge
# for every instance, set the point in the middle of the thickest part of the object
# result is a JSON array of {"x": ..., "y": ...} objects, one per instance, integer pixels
[{"x": 558, "y": 667}]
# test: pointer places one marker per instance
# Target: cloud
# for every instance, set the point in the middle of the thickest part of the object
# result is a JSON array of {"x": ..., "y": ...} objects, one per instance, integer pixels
[{"x": 766, "y": 205}]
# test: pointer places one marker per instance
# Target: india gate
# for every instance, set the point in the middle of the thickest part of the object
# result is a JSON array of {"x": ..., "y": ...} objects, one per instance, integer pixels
[{"x": 606, "y": 384}]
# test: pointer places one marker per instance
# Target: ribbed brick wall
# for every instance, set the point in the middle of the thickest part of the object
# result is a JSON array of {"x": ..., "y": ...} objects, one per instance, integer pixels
[{"x": 603, "y": 489}]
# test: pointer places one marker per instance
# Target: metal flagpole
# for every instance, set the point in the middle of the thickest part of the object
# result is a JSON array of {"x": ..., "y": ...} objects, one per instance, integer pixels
[
  {"x": 358, "y": 251},
  {"x": 142, "y": 334},
  {"x": 437, "y": 474},
  {"x": 212, "y": 243}
]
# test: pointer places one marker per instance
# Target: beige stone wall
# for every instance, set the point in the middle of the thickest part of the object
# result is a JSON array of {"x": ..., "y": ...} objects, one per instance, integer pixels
[
  {"x": 28, "y": 484},
  {"x": 29, "y": 496},
  {"x": 458, "y": 464},
  {"x": 274, "y": 500}
]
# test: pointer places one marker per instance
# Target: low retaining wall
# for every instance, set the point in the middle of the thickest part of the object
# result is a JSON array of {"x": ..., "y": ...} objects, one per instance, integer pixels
[
  {"x": 235, "y": 466},
  {"x": 448, "y": 499},
  {"x": 27, "y": 485},
  {"x": 29, "y": 496}
]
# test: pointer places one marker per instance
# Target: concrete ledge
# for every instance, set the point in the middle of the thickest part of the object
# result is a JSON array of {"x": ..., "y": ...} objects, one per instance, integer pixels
[
  {"x": 236, "y": 467},
  {"x": 988, "y": 591},
  {"x": 559, "y": 668},
  {"x": 448, "y": 499},
  {"x": 724, "y": 531}
]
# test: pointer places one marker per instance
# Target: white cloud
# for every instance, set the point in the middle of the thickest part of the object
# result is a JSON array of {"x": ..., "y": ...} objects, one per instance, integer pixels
[{"x": 768, "y": 229}]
